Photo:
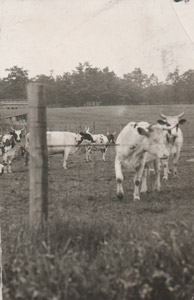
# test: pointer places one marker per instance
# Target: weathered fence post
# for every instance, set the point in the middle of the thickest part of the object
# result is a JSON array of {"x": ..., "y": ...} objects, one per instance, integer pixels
[
  {"x": 94, "y": 127},
  {"x": 38, "y": 156},
  {"x": 1, "y": 281}
]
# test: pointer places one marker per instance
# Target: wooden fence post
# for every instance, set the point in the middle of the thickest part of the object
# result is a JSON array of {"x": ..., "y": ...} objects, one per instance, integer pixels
[
  {"x": 38, "y": 167},
  {"x": 1, "y": 267}
]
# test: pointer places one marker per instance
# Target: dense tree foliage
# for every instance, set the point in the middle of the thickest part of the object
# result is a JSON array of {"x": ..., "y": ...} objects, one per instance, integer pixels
[{"x": 88, "y": 85}]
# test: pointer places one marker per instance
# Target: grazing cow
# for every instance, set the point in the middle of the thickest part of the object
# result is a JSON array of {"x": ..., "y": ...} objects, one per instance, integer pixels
[
  {"x": 96, "y": 142},
  {"x": 137, "y": 145},
  {"x": 57, "y": 142},
  {"x": 173, "y": 140}
]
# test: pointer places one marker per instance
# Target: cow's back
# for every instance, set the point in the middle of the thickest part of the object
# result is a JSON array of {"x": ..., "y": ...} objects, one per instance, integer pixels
[{"x": 58, "y": 140}]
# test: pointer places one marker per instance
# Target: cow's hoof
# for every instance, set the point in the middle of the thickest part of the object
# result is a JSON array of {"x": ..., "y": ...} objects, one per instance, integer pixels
[
  {"x": 143, "y": 191},
  {"x": 165, "y": 178},
  {"x": 176, "y": 176},
  {"x": 120, "y": 196}
]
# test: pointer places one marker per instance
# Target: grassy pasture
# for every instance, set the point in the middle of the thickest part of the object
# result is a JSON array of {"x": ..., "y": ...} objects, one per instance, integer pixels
[{"x": 99, "y": 247}]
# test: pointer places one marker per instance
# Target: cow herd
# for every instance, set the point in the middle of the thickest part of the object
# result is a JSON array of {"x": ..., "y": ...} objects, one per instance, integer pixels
[{"x": 140, "y": 146}]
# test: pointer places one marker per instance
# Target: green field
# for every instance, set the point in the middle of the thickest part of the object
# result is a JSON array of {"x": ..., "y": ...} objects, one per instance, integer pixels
[{"x": 97, "y": 247}]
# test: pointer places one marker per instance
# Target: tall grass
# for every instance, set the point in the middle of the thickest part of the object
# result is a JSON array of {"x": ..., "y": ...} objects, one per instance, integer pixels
[{"x": 100, "y": 260}]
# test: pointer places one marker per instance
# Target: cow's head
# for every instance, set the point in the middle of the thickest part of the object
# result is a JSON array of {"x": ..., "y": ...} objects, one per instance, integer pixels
[
  {"x": 17, "y": 133},
  {"x": 78, "y": 139},
  {"x": 154, "y": 140},
  {"x": 111, "y": 137},
  {"x": 172, "y": 121}
]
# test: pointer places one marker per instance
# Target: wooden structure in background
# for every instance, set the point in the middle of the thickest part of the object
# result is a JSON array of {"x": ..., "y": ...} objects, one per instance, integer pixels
[
  {"x": 38, "y": 167},
  {"x": 13, "y": 103}
]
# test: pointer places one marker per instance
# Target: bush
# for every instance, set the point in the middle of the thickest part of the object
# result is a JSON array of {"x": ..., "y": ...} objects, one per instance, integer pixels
[{"x": 99, "y": 260}]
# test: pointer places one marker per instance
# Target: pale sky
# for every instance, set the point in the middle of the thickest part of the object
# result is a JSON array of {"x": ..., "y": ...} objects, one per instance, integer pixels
[{"x": 155, "y": 35}]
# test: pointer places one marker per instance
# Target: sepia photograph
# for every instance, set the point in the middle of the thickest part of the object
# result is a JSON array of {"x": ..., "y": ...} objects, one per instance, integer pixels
[{"x": 97, "y": 150}]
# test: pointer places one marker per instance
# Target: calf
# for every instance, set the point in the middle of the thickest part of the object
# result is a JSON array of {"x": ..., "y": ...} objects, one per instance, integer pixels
[
  {"x": 136, "y": 145},
  {"x": 57, "y": 142},
  {"x": 96, "y": 142},
  {"x": 173, "y": 140}
]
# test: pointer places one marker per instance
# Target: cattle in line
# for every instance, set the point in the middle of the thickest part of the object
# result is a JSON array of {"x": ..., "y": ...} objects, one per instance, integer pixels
[
  {"x": 137, "y": 145},
  {"x": 57, "y": 142},
  {"x": 96, "y": 142},
  {"x": 174, "y": 141}
]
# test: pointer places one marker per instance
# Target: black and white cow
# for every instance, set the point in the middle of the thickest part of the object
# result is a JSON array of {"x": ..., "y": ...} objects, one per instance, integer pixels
[
  {"x": 11, "y": 150},
  {"x": 96, "y": 142}
]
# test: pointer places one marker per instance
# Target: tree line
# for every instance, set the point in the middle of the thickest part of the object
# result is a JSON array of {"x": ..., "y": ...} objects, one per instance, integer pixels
[{"x": 87, "y": 84}]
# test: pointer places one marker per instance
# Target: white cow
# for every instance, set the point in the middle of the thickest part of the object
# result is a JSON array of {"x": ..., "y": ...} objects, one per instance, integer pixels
[
  {"x": 173, "y": 140},
  {"x": 136, "y": 145},
  {"x": 96, "y": 142},
  {"x": 58, "y": 142}
]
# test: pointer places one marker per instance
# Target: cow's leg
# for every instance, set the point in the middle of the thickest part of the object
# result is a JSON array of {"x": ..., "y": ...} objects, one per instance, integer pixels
[
  {"x": 157, "y": 184},
  {"x": 138, "y": 179},
  {"x": 175, "y": 162},
  {"x": 104, "y": 153},
  {"x": 88, "y": 154},
  {"x": 165, "y": 165},
  {"x": 26, "y": 157},
  {"x": 66, "y": 154},
  {"x": 9, "y": 162},
  {"x": 5, "y": 168},
  {"x": 119, "y": 178},
  {"x": 144, "y": 187}
]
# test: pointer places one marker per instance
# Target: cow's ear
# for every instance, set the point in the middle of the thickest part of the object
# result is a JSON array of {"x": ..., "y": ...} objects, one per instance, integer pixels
[
  {"x": 161, "y": 122},
  {"x": 142, "y": 131},
  {"x": 182, "y": 121}
]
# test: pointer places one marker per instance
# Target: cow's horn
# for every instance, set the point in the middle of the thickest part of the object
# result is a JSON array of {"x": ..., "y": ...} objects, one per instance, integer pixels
[
  {"x": 180, "y": 116},
  {"x": 162, "y": 116},
  {"x": 169, "y": 127}
]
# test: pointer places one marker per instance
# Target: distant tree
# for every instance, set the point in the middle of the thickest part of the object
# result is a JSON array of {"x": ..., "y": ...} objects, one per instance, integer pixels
[
  {"x": 49, "y": 82},
  {"x": 139, "y": 78},
  {"x": 174, "y": 87},
  {"x": 15, "y": 83},
  {"x": 188, "y": 87}
]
